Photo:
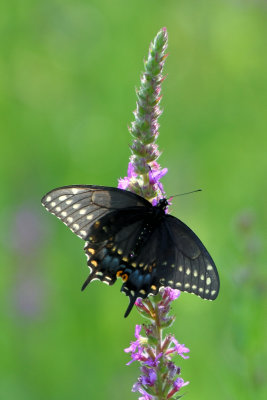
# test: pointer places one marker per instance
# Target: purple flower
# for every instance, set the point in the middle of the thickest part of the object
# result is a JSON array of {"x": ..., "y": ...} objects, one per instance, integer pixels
[
  {"x": 156, "y": 174},
  {"x": 178, "y": 383},
  {"x": 149, "y": 377},
  {"x": 137, "y": 387},
  {"x": 136, "y": 348},
  {"x": 173, "y": 369},
  {"x": 144, "y": 172},
  {"x": 170, "y": 294},
  {"x": 154, "y": 362},
  {"x": 134, "y": 345},
  {"x": 154, "y": 352},
  {"x": 180, "y": 349},
  {"x": 130, "y": 172},
  {"x": 125, "y": 182}
]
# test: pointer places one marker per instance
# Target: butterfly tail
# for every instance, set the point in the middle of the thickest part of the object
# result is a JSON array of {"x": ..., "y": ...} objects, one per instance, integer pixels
[
  {"x": 88, "y": 280},
  {"x": 130, "y": 306}
]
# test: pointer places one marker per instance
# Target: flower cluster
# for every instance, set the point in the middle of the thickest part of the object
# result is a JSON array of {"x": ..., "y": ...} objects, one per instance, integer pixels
[
  {"x": 144, "y": 172},
  {"x": 160, "y": 377}
]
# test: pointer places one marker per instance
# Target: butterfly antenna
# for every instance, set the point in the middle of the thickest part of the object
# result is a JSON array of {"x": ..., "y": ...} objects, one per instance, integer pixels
[{"x": 182, "y": 194}]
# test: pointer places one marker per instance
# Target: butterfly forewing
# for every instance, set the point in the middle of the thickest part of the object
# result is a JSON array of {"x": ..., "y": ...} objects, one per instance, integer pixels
[{"x": 80, "y": 206}]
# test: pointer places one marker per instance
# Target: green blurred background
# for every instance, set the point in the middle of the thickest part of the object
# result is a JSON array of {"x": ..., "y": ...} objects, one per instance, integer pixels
[{"x": 68, "y": 72}]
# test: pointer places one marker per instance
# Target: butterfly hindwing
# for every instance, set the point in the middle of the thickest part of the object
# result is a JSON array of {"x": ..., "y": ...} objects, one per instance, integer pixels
[
  {"x": 110, "y": 242},
  {"x": 172, "y": 256},
  {"x": 115, "y": 258},
  {"x": 187, "y": 265}
]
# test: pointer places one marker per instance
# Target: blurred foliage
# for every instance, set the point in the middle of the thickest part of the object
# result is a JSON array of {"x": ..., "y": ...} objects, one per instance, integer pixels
[{"x": 68, "y": 70}]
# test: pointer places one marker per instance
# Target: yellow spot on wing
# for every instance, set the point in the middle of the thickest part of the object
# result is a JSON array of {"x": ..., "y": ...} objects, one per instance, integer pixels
[
  {"x": 208, "y": 281},
  {"x": 62, "y": 198}
]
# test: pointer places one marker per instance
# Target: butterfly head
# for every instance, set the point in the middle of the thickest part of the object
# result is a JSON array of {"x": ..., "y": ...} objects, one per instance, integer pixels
[{"x": 163, "y": 204}]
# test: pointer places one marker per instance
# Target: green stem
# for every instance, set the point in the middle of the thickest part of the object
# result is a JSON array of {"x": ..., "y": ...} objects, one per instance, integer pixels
[
  {"x": 146, "y": 179},
  {"x": 158, "y": 351}
]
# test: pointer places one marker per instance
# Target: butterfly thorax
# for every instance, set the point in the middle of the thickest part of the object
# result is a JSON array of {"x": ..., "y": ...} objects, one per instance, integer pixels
[{"x": 157, "y": 213}]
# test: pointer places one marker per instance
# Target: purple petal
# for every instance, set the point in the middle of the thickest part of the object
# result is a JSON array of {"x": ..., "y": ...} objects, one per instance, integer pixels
[
  {"x": 138, "y": 356},
  {"x": 152, "y": 377},
  {"x": 149, "y": 378},
  {"x": 156, "y": 174},
  {"x": 130, "y": 172},
  {"x": 153, "y": 362},
  {"x": 173, "y": 369},
  {"x": 180, "y": 348},
  {"x": 139, "y": 302},
  {"x": 138, "y": 388},
  {"x": 137, "y": 331},
  {"x": 171, "y": 294},
  {"x": 132, "y": 347},
  {"x": 160, "y": 186},
  {"x": 123, "y": 183},
  {"x": 178, "y": 383}
]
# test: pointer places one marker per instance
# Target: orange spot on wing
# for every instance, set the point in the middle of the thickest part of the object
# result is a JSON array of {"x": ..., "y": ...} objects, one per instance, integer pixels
[
  {"x": 124, "y": 277},
  {"x": 120, "y": 274}
]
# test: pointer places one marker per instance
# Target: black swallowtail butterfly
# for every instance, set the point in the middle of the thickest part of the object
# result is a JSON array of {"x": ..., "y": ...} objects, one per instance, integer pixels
[{"x": 127, "y": 237}]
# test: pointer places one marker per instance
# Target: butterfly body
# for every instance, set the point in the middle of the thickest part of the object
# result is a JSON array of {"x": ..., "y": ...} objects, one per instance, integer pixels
[{"x": 129, "y": 238}]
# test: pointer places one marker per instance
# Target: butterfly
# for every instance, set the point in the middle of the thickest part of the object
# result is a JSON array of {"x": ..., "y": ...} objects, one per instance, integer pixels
[{"x": 129, "y": 238}]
